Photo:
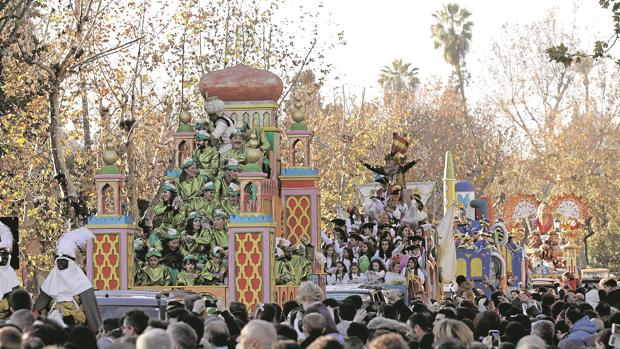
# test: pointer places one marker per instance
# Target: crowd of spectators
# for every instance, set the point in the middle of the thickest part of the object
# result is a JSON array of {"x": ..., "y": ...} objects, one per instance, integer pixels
[{"x": 557, "y": 317}]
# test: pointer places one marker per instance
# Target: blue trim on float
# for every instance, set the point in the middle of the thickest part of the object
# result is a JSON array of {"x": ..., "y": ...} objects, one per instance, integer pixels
[
  {"x": 464, "y": 186},
  {"x": 101, "y": 220},
  {"x": 251, "y": 218},
  {"x": 299, "y": 171}
]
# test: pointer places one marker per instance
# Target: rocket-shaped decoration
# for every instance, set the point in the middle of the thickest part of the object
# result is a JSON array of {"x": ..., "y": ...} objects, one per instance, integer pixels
[{"x": 449, "y": 183}]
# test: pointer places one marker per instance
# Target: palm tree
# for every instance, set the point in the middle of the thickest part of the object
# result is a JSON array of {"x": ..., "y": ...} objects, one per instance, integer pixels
[
  {"x": 452, "y": 32},
  {"x": 399, "y": 76}
]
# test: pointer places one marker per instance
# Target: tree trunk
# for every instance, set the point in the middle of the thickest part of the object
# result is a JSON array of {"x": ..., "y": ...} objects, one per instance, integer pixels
[
  {"x": 85, "y": 118},
  {"x": 67, "y": 189},
  {"x": 132, "y": 183},
  {"x": 459, "y": 74}
]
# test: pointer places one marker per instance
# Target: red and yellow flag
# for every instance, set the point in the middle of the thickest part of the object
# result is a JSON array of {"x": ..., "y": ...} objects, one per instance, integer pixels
[{"x": 399, "y": 144}]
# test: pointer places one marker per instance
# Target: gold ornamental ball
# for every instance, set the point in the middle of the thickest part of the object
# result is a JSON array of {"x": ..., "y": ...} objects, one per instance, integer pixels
[
  {"x": 185, "y": 117},
  {"x": 109, "y": 156},
  {"x": 298, "y": 114},
  {"x": 252, "y": 155}
]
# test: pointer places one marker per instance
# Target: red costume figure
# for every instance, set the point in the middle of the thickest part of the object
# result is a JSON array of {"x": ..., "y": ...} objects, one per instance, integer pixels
[{"x": 544, "y": 219}]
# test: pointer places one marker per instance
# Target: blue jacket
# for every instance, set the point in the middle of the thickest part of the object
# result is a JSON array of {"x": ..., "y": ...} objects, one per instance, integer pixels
[{"x": 581, "y": 335}]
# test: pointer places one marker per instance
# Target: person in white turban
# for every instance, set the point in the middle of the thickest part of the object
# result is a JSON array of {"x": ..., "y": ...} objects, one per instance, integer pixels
[{"x": 67, "y": 292}]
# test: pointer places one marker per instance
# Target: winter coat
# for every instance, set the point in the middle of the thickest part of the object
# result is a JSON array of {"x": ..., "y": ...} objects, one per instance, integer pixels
[{"x": 582, "y": 334}]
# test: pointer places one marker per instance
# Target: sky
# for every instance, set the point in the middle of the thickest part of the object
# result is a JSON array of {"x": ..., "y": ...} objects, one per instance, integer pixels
[{"x": 377, "y": 32}]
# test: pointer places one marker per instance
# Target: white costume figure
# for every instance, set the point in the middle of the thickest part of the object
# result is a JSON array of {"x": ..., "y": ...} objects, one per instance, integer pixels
[
  {"x": 223, "y": 126},
  {"x": 8, "y": 277},
  {"x": 67, "y": 291},
  {"x": 373, "y": 208}
]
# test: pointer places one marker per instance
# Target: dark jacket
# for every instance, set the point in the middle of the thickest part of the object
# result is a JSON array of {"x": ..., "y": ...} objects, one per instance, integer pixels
[
  {"x": 403, "y": 310},
  {"x": 309, "y": 340}
]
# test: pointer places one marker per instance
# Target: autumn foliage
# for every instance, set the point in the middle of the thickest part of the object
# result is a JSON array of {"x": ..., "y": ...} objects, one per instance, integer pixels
[{"x": 74, "y": 72}]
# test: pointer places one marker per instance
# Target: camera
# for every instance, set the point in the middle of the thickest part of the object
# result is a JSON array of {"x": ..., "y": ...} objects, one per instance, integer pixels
[
  {"x": 494, "y": 338},
  {"x": 614, "y": 340}
]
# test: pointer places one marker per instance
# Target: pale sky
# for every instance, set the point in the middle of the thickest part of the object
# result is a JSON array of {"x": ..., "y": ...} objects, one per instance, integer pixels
[{"x": 376, "y": 32}]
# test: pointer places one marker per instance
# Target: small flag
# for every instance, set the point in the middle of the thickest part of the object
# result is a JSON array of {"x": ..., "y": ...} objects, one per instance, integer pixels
[{"x": 399, "y": 144}]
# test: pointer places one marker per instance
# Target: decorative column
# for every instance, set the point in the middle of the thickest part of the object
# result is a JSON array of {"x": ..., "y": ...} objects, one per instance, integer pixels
[
  {"x": 109, "y": 254},
  {"x": 449, "y": 183},
  {"x": 251, "y": 182},
  {"x": 251, "y": 263},
  {"x": 300, "y": 190},
  {"x": 571, "y": 255}
]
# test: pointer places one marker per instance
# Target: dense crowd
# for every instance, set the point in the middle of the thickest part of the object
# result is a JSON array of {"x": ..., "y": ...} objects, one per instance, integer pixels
[{"x": 557, "y": 317}]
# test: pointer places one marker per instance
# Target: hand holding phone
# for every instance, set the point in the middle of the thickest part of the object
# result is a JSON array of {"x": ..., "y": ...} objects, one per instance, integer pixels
[{"x": 495, "y": 340}]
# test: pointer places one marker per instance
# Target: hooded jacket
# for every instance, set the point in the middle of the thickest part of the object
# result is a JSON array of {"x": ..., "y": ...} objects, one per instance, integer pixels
[{"x": 582, "y": 334}]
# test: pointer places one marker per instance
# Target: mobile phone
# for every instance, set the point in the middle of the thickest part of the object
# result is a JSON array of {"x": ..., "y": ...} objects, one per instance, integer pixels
[
  {"x": 615, "y": 328},
  {"x": 494, "y": 338}
]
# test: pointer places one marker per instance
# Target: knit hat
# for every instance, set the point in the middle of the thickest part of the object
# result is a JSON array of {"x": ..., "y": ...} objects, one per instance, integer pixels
[
  {"x": 384, "y": 325},
  {"x": 170, "y": 187},
  {"x": 187, "y": 163},
  {"x": 203, "y": 135},
  {"x": 153, "y": 252},
  {"x": 172, "y": 234},
  {"x": 220, "y": 214}
]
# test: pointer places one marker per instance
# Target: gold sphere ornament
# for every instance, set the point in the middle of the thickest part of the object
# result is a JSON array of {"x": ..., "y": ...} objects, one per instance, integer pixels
[
  {"x": 110, "y": 156},
  {"x": 298, "y": 115},
  {"x": 185, "y": 117},
  {"x": 252, "y": 153}
]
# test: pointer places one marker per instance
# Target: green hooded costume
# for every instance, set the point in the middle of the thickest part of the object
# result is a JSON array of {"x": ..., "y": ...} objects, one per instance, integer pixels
[
  {"x": 157, "y": 276},
  {"x": 207, "y": 160}
]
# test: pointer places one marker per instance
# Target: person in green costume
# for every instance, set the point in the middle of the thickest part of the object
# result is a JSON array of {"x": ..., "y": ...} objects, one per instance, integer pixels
[
  {"x": 167, "y": 209},
  {"x": 229, "y": 175},
  {"x": 157, "y": 236},
  {"x": 300, "y": 261},
  {"x": 171, "y": 253},
  {"x": 140, "y": 249},
  {"x": 195, "y": 239},
  {"x": 153, "y": 273},
  {"x": 209, "y": 201},
  {"x": 206, "y": 157},
  {"x": 189, "y": 185},
  {"x": 189, "y": 276},
  {"x": 214, "y": 271},
  {"x": 263, "y": 143},
  {"x": 218, "y": 233},
  {"x": 284, "y": 275},
  {"x": 237, "y": 151},
  {"x": 230, "y": 204}
]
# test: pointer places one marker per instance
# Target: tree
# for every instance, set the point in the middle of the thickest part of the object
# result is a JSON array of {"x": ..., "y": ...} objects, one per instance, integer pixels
[
  {"x": 566, "y": 54},
  {"x": 566, "y": 137},
  {"x": 534, "y": 95},
  {"x": 453, "y": 32},
  {"x": 399, "y": 76}
]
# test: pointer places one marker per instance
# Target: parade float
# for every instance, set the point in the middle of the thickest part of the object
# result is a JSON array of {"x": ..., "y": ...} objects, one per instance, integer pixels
[
  {"x": 279, "y": 202},
  {"x": 533, "y": 243}
]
